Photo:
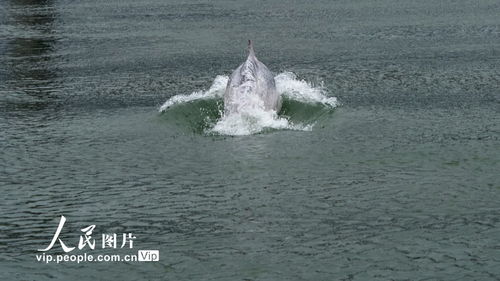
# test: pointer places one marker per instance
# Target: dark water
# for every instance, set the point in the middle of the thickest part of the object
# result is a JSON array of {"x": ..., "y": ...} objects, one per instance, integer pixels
[{"x": 399, "y": 182}]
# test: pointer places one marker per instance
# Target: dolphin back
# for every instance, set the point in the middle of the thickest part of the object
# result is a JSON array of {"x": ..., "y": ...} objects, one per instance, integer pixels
[{"x": 251, "y": 85}]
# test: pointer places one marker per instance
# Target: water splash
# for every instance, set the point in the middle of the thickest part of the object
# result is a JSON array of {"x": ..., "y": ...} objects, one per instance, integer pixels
[
  {"x": 299, "y": 97},
  {"x": 289, "y": 86},
  {"x": 253, "y": 121},
  {"x": 215, "y": 91}
]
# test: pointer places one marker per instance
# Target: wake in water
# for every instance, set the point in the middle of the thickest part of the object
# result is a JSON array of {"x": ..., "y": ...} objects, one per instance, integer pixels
[{"x": 303, "y": 104}]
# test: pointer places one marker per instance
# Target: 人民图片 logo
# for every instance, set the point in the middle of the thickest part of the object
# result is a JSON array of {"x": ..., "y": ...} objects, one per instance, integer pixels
[{"x": 108, "y": 241}]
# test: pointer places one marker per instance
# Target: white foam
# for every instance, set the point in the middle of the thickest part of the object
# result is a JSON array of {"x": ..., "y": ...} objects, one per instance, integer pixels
[
  {"x": 289, "y": 86},
  {"x": 215, "y": 91},
  {"x": 253, "y": 119}
]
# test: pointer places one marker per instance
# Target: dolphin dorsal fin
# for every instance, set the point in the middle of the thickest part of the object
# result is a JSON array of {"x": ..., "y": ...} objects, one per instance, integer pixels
[{"x": 250, "y": 49}]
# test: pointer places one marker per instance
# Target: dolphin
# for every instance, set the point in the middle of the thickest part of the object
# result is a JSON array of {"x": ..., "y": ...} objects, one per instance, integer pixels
[{"x": 251, "y": 86}]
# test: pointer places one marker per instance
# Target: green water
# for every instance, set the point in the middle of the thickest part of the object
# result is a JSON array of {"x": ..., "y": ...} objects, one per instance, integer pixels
[{"x": 399, "y": 182}]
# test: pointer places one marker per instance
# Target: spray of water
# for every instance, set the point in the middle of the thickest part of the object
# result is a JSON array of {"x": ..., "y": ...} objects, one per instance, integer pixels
[{"x": 255, "y": 119}]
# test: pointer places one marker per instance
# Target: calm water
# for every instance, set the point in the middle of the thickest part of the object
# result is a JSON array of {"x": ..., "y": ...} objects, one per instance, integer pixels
[{"x": 401, "y": 181}]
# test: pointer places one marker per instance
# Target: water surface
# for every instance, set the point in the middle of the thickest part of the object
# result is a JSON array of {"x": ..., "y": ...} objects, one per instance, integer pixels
[{"x": 398, "y": 182}]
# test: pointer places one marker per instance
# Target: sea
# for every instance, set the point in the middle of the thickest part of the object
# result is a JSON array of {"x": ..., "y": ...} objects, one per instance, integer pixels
[{"x": 383, "y": 163}]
